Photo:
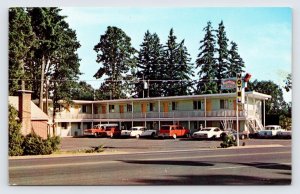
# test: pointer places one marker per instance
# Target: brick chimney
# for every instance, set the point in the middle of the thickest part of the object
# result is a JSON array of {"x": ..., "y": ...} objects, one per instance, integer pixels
[{"x": 25, "y": 110}]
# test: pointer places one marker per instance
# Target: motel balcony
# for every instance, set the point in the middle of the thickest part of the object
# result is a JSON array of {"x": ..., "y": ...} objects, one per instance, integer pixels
[{"x": 157, "y": 115}]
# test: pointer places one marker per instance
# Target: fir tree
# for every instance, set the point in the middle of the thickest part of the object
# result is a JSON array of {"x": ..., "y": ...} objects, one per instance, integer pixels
[
  {"x": 207, "y": 63},
  {"x": 222, "y": 59},
  {"x": 150, "y": 63},
  {"x": 177, "y": 67},
  {"x": 236, "y": 63},
  {"x": 115, "y": 53},
  {"x": 21, "y": 40}
]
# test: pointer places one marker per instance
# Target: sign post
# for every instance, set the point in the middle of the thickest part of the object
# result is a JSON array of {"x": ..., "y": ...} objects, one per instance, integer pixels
[{"x": 239, "y": 99}]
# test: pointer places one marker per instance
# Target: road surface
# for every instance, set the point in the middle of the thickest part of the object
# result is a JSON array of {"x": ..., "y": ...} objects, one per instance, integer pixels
[{"x": 256, "y": 165}]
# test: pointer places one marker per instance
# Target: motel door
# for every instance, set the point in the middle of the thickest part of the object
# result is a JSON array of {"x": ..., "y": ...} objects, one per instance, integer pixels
[
  {"x": 121, "y": 107},
  {"x": 144, "y": 107},
  {"x": 166, "y": 107},
  {"x": 208, "y": 105},
  {"x": 103, "y": 109}
]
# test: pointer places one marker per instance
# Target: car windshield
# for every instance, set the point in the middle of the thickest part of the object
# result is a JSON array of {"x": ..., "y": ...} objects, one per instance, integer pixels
[
  {"x": 109, "y": 128},
  {"x": 270, "y": 128},
  {"x": 206, "y": 129},
  {"x": 165, "y": 127}
]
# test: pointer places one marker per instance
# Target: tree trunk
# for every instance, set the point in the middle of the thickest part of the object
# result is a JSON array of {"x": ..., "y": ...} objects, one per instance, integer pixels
[
  {"x": 42, "y": 83},
  {"x": 23, "y": 75}
]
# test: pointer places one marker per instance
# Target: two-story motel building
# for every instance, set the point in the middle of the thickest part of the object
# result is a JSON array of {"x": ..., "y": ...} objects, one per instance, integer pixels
[{"x": 190, "y": 111}]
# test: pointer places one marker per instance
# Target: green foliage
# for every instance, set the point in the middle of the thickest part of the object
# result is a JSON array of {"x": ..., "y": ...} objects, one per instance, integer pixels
[
  {"x": 35, "y": 145},
  {"x": 15, "y": 138},
  {"x": 285, "y": 122},
  {"x": 216, "y": 61},
  {"x": 228, "y": 141},
  {"x": 82, "y": 91},
  {"x": 150, "y": 65},
  {"x": 116, "y": 55},
  {"x": 207, "y": 62},
  {"x": 97, "y": 149},
  {"x": 177, "y": 67},
  {"x": 288, "y": 82},
  {"x": 236, "y": 62},
  {"x": 54, "y": 142},
  {"x": 21, "y": 40},
  {"x": 222, "y": 51}
]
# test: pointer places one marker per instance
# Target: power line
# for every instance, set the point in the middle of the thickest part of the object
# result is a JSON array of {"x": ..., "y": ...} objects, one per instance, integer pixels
[{"x": 120, "y": 80}]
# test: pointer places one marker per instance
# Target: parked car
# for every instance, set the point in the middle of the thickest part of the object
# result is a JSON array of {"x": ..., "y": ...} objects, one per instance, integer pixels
[
  {"x": 98, "y": 130},
  {"x": 133, "y": 131},
  {"x": 270, "y": 131},
  {"x": 233, "y": 132},
  {"x": 284, "y": 134},
  {"x": 208, "y": 133},
  {"x": 174, "y": 131},
  {"x": 112, "y": 131},
  {"x": 149, "y": 133}
]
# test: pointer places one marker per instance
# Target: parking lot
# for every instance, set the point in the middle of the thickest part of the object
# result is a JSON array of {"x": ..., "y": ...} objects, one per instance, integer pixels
[{"x": 144, "y": 145}]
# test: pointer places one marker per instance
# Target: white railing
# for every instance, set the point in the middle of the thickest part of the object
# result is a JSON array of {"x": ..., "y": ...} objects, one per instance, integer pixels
[{"x": 173, "y": 114}]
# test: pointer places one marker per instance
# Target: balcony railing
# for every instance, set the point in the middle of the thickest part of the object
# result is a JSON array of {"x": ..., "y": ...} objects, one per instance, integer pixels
[{"x": 174, "y": 114}]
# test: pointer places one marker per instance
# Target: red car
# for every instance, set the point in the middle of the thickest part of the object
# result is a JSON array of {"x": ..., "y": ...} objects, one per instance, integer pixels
[
  {"x": 173, "y": 131},
  {"x": 112, "y": 131}
]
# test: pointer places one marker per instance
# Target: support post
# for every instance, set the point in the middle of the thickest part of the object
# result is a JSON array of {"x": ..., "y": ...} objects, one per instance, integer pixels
[
  {"x": 237, "y": 126},
  {"x": 264, "y": 113},
  {"x": 205, "y": 112}
]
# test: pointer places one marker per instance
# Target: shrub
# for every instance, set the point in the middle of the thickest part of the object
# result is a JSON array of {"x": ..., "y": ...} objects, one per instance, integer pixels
[
  {"x": 228, "y": 141},
  {"x": 15, "y": 138},
  {"x": 35, "y": 145},
  {"x": 96, "y": 149},
  {"x": 54, "y": 142}
]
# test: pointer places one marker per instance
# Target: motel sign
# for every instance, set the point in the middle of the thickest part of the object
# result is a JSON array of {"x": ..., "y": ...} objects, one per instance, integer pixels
[{"x": 240, "y": 90}]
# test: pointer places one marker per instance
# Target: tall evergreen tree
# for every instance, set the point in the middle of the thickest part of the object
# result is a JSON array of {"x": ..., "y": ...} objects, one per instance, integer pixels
[
  {"x": 115, "y": 53},
  {"x": 177, "y": 67},
  {"x": 21, "y": 40},
  {"x": 288, "y": 82},
  {"x": 150, "y": 62},
  {"x": 45, "y": 23},
  {"x": 236, "y": 63},
  {"x": 207, "y": 63},
  {"x": 222, "y": 51}
]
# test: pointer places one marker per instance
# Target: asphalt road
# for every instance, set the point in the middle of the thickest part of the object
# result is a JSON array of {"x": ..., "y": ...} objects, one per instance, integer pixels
[{"x": 253, "y": 165}]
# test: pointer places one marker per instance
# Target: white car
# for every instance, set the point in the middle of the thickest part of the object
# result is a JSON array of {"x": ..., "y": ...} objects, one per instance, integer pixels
[
  {"x": 270, "y": 131},
  {"x": 208, "y": 133},
  {"x": 284, "y": 134},
  {"x": 133, "y": 132},
  {"x": 149, "y": 133}
]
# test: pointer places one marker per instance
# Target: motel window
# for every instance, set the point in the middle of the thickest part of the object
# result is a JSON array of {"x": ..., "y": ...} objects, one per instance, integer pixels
[
  {"x": 174, "y": 105},
  {"x": 223, "y": 104},
  {"x": 84, "y": 108},
  {"x": 111, "y": 108},
  {"x": 197, "y": 105},
  {"x": 151, "y": 105},
  {"x": 129, "y": 108}
]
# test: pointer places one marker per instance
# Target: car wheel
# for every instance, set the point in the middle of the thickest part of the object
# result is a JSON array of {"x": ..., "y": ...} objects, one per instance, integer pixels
[
  {"x": 152, "y": 135},
  {"x": 174, "y": 136}
]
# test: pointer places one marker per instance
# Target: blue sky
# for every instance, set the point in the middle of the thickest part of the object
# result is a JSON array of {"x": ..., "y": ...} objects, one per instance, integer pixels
[{"x": 263, "y": 35}]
